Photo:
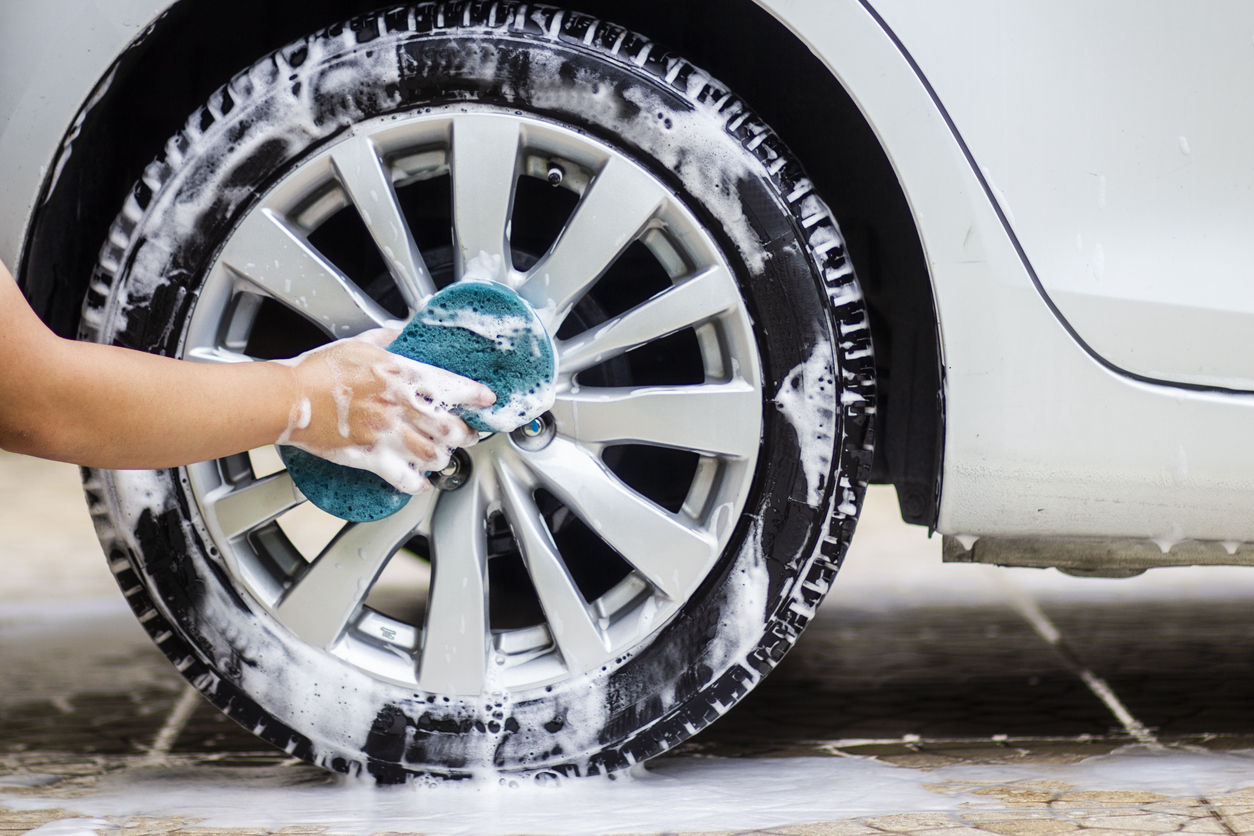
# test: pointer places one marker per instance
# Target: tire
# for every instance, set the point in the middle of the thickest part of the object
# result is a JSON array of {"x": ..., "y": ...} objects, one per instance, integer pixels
[{"x": 645, "y": 559}]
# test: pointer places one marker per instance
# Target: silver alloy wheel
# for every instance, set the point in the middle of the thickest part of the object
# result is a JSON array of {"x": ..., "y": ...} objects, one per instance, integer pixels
[{"x": 321, "y": 597}]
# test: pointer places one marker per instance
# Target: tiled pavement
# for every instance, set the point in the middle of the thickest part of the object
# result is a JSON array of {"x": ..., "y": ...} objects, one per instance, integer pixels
[
  {"x": 937, "y": 668},
  {"x": 1032, "y": 807}
]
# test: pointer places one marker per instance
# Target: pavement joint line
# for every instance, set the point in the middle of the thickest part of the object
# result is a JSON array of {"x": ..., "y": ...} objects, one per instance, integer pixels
[
  {"x": 1045, "y": 628},
  {"x": 1218, "y": 816},
  {"x": 173, "y": 726}
]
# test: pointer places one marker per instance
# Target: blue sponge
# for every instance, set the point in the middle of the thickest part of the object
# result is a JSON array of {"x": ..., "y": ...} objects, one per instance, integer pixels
[{"x": 478, "y": 329}]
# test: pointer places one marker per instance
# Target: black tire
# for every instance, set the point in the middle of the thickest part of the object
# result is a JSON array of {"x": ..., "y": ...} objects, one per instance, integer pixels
[{"x": 792, "y": 270}]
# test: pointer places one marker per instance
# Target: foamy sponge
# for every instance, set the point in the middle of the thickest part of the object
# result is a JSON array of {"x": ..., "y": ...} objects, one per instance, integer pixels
[{"x": 478, "y": 329}]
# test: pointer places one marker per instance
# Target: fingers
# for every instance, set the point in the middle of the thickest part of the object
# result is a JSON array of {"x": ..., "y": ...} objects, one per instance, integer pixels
[
  {"x": 477, "y": 395},
  {"x": 436, "y": 422},
  {"x": 405, "y": 477},
  {"x": 426, "y": 453},
  {"x": 456, "y": 433},
  {"x": 420, "y": 455},
  {"x": 445, "y": 387},
  {"x": 402, "y": 458},
  {"x": 464, "y": 435},
  {"x": 430, "y": 382}
]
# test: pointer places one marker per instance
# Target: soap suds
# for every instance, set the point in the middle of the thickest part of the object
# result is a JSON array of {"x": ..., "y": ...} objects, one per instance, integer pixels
[
  {"x": 300, "y": 416},
  {"x": 744, "y": 609},
  {"x": 138, "y": 491},
  {"x": 806, "y": 399},
  {"x": 486, "y": 267},
  {"x": 343, "y": 396},
  {"x": 503, "y": 331},
  {"x": 678, "y": 795}
]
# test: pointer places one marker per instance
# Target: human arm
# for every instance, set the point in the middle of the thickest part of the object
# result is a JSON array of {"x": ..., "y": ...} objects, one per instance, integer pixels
[{"x": 112, "y": 407}]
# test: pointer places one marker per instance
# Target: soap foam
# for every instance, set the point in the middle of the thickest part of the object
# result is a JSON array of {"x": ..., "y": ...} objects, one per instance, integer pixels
[
  {"x": 806, "y": 398},
  {"x": 674, "y": 795}
]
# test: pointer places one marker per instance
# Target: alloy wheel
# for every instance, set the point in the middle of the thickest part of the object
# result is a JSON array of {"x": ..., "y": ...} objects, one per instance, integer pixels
[{"x": 553, "y": 495}]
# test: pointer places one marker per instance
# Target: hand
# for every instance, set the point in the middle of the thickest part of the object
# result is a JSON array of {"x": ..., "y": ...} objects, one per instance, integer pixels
[{"x": 361, "y": 406}]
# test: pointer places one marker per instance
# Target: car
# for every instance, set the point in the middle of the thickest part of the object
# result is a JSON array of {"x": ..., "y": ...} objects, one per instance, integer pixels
[{"x": 994, "y": 257}]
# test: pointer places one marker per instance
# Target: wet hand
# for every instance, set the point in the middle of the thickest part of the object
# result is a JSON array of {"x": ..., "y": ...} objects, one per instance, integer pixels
[{"x": 361, "y": 406}]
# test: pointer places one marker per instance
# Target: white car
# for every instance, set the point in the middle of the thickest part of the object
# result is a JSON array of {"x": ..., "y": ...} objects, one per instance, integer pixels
[{"x": 1048, "y": 347}]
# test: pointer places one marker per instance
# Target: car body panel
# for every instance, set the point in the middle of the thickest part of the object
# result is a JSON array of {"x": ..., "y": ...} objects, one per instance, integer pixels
[
  {"x": 1041, "y": 436},
  {"x": 50, "y": 71},
  {"x": 1118, "y": 138}
]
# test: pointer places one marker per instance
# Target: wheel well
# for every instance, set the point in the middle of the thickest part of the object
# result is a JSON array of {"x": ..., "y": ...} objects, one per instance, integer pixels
[{"x": 199, "y": 44}]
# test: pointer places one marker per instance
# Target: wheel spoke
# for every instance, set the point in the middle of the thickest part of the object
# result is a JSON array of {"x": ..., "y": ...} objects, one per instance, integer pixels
[
  {"x": 257, "y": 503},
  {"x": 455, "y": 637},
  {"x": 720, "y": 419},
  {"x": 582, "y": 644},
  {"x": 362, "y": 173},
  {"x": 274, "y": 258},
  {"x": 333, "y": 588},
  {"x": 668, "y": 553},
  {"x": 705, "y": 295},
  {"x": 484, "y": 164},
  {"x": 618, "y": 204}
]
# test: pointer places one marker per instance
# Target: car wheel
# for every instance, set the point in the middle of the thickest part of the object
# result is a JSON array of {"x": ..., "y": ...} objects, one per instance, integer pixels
[{"x": 576, "y": 596}]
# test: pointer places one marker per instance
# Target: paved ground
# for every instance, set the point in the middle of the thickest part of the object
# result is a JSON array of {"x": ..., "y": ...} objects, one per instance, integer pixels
[{"x": 957, "y": 698}]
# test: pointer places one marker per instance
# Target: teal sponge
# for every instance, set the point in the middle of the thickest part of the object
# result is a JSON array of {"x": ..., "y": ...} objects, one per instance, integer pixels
[
  {"x": 478, "y": 329},
  {"x": 486, "y": 332},
  {"x": 346, "y": 492}
]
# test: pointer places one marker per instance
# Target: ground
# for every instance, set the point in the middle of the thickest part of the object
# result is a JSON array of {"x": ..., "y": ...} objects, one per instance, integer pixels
[{"x": 925, "y": 697}]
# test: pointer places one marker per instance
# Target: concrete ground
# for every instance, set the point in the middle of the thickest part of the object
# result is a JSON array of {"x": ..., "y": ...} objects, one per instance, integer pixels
[{"x": 924, "y": 697}]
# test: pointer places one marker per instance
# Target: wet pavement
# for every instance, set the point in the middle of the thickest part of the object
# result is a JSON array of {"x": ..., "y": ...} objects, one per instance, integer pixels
[{"x": 1006, "y": 701}]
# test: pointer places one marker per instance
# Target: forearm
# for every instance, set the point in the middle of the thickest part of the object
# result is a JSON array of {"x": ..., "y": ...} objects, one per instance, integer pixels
[{"x": 104, "y": 406}]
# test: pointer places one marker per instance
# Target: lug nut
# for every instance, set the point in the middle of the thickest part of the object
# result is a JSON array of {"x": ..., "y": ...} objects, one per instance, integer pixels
[
  {"x": 455, "y": 474},
  {"x": 535, "y": 435}
]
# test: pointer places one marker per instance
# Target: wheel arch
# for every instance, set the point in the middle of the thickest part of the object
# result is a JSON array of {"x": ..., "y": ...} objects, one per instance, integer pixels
[{"x": 198, "y": 44}]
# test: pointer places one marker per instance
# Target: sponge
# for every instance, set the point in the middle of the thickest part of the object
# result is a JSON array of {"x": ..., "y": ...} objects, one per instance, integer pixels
[{"x": 478, "y": 329}]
